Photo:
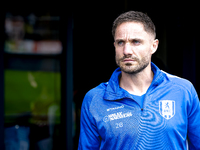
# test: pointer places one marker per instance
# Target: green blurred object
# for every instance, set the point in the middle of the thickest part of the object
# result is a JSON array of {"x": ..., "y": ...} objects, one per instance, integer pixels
[{"x": 32, "y": 92}]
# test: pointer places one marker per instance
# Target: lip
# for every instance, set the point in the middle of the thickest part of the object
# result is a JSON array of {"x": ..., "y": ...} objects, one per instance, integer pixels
[{"x": 129, "y": 60}]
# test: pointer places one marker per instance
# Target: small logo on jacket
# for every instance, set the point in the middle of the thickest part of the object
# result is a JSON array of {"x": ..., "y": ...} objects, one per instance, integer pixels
[
  {"x": 109, "y": 109},
  {"x": 117, "y": 116},
  {"x": 167, "y": 108}
]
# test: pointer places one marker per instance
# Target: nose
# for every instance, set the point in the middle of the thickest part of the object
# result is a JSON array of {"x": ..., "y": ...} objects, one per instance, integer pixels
[{"x": 127, "y": 49}]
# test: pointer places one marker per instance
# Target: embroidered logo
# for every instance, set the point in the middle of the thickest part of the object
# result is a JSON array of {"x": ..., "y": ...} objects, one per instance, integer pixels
[
  {"x": 109, "y": 109},
  {"x": 167, "y": 108},
  {"x": 117, "y": 116}
]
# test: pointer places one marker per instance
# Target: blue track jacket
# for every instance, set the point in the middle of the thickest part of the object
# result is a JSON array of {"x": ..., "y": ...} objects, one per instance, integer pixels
[{"x": 112, "y": 120}]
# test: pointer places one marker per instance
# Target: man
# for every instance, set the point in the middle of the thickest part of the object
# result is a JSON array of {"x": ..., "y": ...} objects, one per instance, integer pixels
[{"x": 141, "y": 107}]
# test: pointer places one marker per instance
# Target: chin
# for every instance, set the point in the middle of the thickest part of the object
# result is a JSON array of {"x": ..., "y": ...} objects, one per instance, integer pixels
[
  {"x": 133, "y": 69},
  {"x": 129, "y": 69}
]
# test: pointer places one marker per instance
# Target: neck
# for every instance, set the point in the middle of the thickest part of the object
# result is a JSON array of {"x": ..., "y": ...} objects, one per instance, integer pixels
[{"x": 138, "y": 83}]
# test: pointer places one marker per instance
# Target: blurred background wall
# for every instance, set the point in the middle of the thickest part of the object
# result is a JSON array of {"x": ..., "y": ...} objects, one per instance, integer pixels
[{"x": 52, "y": 53}]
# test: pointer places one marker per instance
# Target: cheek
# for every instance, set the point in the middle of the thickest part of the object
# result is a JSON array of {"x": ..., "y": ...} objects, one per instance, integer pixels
[
  {"x": 139, "y": 51},
  {"x": 146, "y": 52},
  {"x": 118, "y": 52}
]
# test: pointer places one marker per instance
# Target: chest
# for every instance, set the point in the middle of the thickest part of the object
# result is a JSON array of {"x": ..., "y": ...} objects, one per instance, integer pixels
[{"x": 164, "y": 115}]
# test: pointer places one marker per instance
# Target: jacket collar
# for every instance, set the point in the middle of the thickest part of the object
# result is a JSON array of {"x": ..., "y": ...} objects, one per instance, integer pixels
[{"x": 115, "y": 92}]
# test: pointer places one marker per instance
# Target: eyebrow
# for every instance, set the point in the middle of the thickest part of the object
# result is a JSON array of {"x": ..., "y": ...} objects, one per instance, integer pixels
[{"x": 132, "y": 39}]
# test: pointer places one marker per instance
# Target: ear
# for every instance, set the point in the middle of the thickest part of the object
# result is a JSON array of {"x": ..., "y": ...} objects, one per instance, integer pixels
[{"x": 154, "y": 46}]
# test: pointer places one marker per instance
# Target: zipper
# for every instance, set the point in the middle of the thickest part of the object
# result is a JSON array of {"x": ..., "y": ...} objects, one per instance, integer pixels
[
  {"x": 149, "y": 92},
  {"x": 147, "y": 96},
  {"x": 142, "y": 109}
]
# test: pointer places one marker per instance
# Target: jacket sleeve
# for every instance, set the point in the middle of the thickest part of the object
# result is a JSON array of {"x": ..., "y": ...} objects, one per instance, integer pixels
[
  {"x": 194, "y": 123},
  {"x": 89, "y": 138}
]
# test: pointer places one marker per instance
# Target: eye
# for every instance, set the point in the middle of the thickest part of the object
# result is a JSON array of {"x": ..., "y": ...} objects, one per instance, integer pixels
[
  {"x": 136, "y": 42},
  {"x": 120, "y": 43}
]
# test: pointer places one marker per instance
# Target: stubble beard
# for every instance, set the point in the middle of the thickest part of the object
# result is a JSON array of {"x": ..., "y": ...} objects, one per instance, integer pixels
[{"x": 135, "y": 67}]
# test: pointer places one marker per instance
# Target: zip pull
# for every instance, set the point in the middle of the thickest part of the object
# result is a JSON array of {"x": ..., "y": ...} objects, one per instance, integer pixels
[{"x": 142, "y": 109}]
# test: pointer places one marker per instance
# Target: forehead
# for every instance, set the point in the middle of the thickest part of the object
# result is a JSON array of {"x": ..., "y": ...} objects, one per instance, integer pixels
[{"x": 130, "y": 30}]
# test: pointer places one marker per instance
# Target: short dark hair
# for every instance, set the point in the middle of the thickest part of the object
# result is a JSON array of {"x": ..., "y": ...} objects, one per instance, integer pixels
[{"x": 135, "y": 16}]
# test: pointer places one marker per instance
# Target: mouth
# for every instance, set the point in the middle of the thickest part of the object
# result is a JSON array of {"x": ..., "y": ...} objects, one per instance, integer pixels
[{"x": 128, "y": 60}]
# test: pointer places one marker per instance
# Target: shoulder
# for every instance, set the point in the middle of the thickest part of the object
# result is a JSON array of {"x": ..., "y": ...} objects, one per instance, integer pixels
[
  {"x": 180, "y": 82},
  {"x": 94, "y": 95},
  {"x": 96, "y": 91}
]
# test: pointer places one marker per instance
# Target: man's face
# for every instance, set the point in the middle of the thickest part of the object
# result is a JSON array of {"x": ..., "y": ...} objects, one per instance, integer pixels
[{"x": 133, "y": 47}]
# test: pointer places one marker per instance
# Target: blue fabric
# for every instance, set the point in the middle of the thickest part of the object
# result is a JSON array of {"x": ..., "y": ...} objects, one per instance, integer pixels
[
  {"x": 17, "y": 138},
  {"x": 136, "y": 98},
  {"x": 111, "y": 119},
  {"x": 139, "y": 99}
]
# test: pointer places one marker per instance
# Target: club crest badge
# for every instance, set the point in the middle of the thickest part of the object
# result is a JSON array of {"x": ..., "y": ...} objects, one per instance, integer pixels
[{"x": 167, "y": 108}]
